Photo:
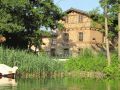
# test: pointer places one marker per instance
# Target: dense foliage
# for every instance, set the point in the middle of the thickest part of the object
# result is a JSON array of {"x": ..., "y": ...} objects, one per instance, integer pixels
[
  {"x": 98, "y": 17},
  {"x": 24, "y": 19},
  {"x": 87, "y": 62},
  {"x": 91, "y": 62}
]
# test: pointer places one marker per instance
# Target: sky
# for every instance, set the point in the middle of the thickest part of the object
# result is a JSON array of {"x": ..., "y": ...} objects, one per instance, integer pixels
[{"x": 85, "y": 5}]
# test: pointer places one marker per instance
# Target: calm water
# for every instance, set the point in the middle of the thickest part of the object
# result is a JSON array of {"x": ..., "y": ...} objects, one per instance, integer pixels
[{"x": 59, "y": 84}]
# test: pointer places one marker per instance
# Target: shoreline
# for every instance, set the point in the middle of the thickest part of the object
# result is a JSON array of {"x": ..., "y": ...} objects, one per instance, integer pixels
[{"x": 82, "y": 74}]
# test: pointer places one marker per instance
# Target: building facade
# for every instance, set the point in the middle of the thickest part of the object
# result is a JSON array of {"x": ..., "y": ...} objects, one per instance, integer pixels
[{"x": 77, "y": 35}]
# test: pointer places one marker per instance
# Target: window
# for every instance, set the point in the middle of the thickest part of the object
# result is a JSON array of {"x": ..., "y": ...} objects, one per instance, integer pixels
[
  {"x": 93, "y": 39},
  {"x": 65, "y": 37},
  {"x": 66, "y": 52},
  {"x": 80, "y": 18},
  {"x": 53, "y": 42},
  {"x": 80, "y": 51},
  {"x": 80, "y": 36},
  {"x": 66, "y": 20},
  {"x": 53, "y": 52}
]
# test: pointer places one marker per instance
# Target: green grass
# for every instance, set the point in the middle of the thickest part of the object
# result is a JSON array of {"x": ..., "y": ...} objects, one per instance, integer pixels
[{"x": 88, "y": 61}]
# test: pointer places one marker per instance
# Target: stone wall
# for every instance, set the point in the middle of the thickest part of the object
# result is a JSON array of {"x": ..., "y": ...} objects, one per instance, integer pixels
[{"x": 74, "y": 23}]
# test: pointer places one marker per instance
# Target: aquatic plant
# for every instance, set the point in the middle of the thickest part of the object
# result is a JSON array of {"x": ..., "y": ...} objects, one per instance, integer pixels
[{"x": 29, "y": 62}]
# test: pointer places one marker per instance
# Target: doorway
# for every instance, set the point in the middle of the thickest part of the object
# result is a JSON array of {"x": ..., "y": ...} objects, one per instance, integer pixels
[{"x": 53, "y": 52}]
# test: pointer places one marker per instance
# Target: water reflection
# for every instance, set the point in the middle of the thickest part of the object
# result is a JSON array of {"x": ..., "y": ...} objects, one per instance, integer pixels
[
  {"x": 7, "y": 84},
  {"x": 108, "y": 86},
  {"x": 67, "y": 84},
  {"x": 59, "y": 84}
]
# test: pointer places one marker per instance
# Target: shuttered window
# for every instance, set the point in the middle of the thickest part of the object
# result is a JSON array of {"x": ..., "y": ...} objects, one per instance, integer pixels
[
  {"x": 65, "y": 37},
  {"x": 80, "y": 36},
  {"x": 80, "y": 18}
]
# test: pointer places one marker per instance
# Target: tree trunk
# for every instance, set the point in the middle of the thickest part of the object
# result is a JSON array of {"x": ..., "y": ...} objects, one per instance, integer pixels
[
  {"x": 119, "y": 34},
  {"x": 106, "y": 36}
]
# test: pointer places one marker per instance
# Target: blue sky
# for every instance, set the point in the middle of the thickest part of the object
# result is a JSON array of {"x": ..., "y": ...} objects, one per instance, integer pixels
[{"x": 85, "y": 5}]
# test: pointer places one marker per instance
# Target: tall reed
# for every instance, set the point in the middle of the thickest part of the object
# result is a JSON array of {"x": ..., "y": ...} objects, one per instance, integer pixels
[{"x": 29, "y": 62}]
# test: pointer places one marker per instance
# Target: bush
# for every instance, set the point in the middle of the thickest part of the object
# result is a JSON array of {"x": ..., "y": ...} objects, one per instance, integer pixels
[
  {"x": 95, "y": 62},
  {"x": 87, "y": 62}
]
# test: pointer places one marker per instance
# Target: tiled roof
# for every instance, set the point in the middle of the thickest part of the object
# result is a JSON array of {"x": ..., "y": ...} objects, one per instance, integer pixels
[{"x": 76, "y": 10}]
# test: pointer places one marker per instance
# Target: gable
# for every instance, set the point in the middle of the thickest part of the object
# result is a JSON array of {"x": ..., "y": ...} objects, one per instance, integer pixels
[
  {"x": 74, "y": 17},
  {"x": 71, "y": 10}
]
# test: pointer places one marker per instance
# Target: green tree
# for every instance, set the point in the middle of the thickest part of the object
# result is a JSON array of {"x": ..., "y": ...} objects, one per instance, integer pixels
[
  {"x": 23, "y": 18},
  {"x": 114, "y": 6},
  {"x": 111, "y": 9}
]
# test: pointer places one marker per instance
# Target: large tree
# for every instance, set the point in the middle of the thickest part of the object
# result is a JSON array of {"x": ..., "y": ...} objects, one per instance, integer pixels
[
  {"x": 23, "y": 19},
  {"x": 114, "y": 9},
  {"x": 111, "y": 11}
]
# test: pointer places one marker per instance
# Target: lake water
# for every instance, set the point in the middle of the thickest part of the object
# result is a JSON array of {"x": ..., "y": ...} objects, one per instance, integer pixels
[{"x": 59, "y": 84}]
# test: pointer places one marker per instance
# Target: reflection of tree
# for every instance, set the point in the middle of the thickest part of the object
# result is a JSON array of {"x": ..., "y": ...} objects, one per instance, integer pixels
[{"x": 108, "y": 85}]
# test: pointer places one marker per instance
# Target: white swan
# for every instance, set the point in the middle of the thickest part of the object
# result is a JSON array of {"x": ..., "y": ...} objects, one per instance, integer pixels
[
  {"x": 14, "y": 69},
  {"x": 4, "y": 69}
]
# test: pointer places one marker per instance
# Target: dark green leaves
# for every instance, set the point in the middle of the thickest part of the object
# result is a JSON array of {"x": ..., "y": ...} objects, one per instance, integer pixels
[{"x": 26, "y": 17}]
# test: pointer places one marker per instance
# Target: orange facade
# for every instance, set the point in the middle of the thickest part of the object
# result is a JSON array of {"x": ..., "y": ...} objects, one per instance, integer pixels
[{"x": 77, "y": 35}]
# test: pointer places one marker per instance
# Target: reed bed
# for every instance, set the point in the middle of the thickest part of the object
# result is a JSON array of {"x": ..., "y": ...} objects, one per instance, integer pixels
[{"x": 30, "y": 63}]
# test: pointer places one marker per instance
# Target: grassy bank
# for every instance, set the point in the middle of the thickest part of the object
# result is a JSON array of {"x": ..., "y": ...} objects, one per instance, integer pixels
[
  {"x": 90, "y": 62},
  {"x": 86, "y": 64}
]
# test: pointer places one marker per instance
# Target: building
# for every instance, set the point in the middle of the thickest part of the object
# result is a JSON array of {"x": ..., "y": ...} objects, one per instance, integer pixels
[{"x": 77, "y": 35}]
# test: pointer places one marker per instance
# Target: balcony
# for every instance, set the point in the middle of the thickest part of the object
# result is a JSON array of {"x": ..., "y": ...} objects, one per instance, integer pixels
[{"x": 65, "y": 44}]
